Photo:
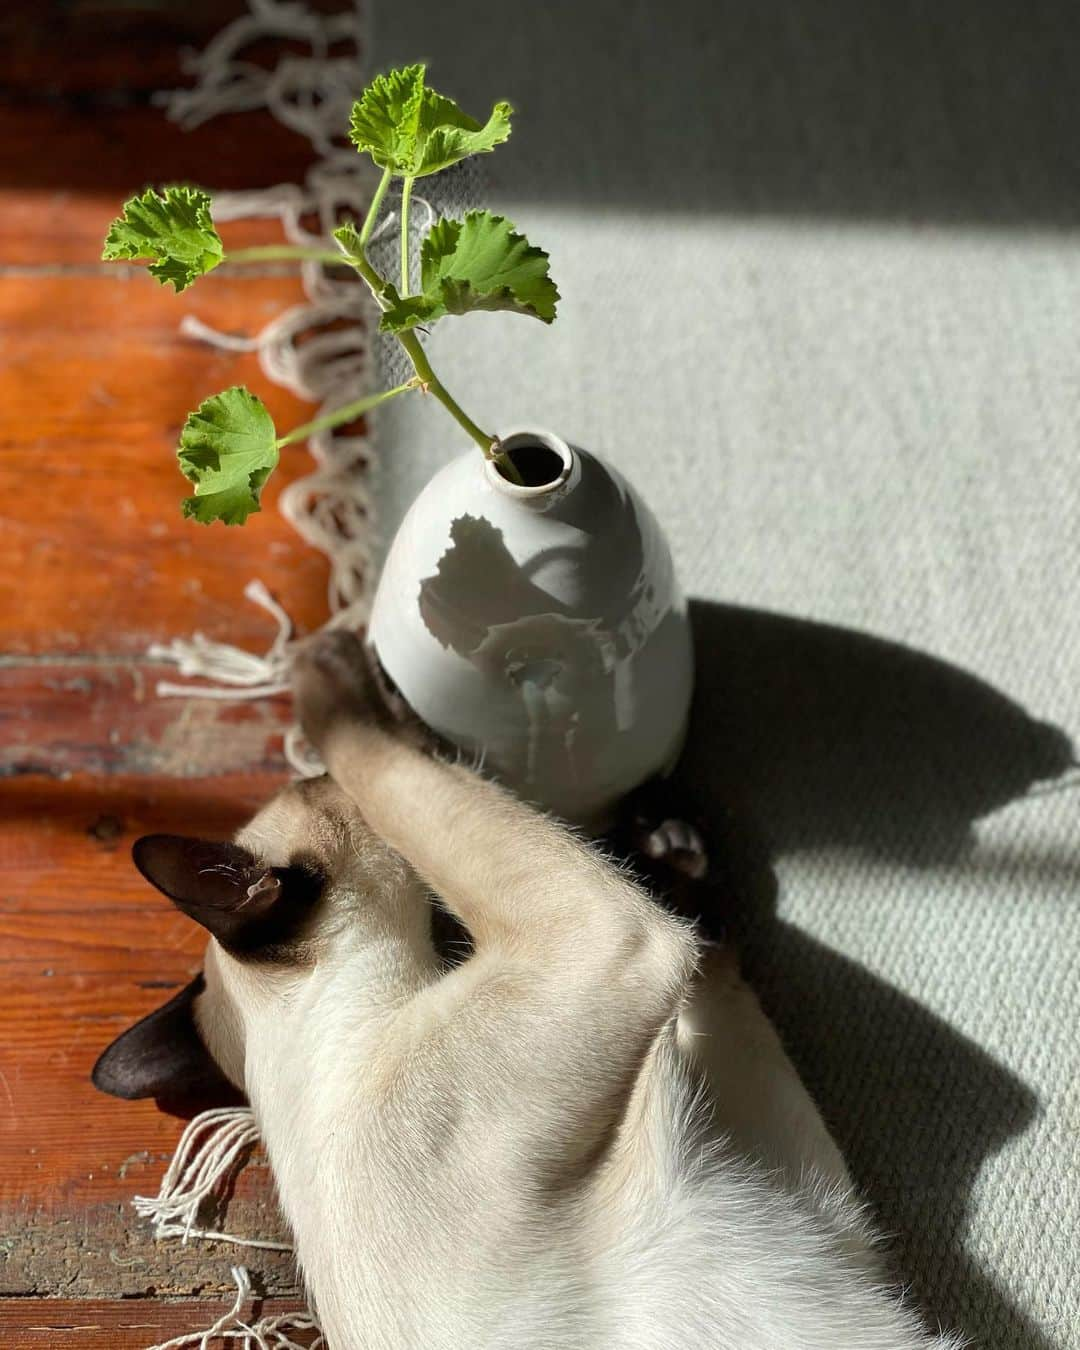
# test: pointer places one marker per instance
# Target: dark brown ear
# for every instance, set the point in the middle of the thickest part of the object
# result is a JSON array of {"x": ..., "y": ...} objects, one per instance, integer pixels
[
  {"x": 246, "y": 905},
  {"x": 164, "y": 1056}
]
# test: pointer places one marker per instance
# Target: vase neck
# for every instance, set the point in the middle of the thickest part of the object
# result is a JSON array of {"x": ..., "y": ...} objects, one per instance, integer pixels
[{"x": 547, "y": 466}]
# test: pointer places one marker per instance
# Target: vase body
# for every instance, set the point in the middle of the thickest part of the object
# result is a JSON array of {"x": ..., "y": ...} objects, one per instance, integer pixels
[{"x": 540, "y": 629}]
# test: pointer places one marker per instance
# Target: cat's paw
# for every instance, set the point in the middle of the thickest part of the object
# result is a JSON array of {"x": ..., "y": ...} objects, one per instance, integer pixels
[
  {"x": 333, "y": 683},
  {"x": 338, "y": 680},
  {"x": 670, "y": 855},
  {"x": 653, "y": 828},
  {"x": 677, "y": 843}
]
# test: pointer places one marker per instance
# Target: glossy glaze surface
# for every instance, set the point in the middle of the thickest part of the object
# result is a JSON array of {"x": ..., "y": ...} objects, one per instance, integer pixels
[{"x": 542, "y": 628}]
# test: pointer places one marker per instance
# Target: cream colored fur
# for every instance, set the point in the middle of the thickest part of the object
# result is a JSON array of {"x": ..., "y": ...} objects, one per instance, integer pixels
[{"x": 585, "y": 1137}]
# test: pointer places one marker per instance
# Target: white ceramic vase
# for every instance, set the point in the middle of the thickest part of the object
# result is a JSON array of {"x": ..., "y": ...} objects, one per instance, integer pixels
[{"x": 540, "y": 627}]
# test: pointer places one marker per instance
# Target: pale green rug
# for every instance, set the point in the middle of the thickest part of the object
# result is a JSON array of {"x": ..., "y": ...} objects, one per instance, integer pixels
[{"x": 821, "y": 279}]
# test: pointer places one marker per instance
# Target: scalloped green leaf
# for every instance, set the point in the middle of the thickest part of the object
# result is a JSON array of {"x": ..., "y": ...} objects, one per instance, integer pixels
[
  {"x": 415, "y": 131},
  {"x": 228, "y": 449},
  {"x": 447, "y": 135},
  {"x": 479, "y": 263},
  {"x": 173, "y": 229},
  {"x": 386, "y": 117}
]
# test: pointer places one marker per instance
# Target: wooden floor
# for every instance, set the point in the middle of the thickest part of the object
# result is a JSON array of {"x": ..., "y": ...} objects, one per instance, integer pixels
[{"x": 95, "y": 564}]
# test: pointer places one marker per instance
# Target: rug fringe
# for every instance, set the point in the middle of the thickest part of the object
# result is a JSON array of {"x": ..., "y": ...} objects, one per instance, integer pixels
[
  {"x": 275, "y": 1332},
  {"x": 319, "y": 349}
]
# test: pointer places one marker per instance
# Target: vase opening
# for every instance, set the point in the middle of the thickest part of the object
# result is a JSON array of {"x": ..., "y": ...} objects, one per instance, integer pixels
[
  {"x": 544, "y": 464},
  {"x": 537, "y": 465}
]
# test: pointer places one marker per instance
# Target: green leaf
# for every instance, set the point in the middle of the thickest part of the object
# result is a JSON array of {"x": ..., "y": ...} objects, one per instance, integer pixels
[
  {"x": 228, "y": 449},
  {"x": 415, "y": 131},
  {"x": 404, "y": 312},
  {"x": 448, "y": 135},
  {"x": 386, "y": 117},
  {"x": 348, "y": 237},
  {"x": 479, "y": 263},
  {"x": 173, "y": 229}
]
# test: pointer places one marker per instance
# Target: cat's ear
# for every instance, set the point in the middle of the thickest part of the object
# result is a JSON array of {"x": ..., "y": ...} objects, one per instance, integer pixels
[
  {"x": 241, "y": 901},
  {"x": 164, "y": 1056},
  {"x": 218, "y": 884}
]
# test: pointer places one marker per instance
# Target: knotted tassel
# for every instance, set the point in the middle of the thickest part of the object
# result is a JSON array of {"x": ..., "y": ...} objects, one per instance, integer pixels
[
  {"x": 208, "y": 1154},
  {"x": 277, "y": 1332}
]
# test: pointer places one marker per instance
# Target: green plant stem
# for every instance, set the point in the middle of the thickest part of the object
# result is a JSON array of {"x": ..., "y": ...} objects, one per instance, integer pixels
[
  {"x": 427, "y": 379},
  {"x": 375, "y": 206},
  {"x": 284, "y": 252},
  {"x": 431, "y": 382},
  {"x": 378, "y": 285},
  {"x": 406, "y": 193},
  {"x": 346, "y": 413}
]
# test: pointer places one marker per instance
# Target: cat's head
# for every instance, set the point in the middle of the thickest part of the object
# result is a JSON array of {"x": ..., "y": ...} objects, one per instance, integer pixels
[{"x": 276, "y": 903}]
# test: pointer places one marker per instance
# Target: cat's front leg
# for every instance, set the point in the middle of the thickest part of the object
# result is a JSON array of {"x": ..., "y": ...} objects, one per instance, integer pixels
[{"x": 574, "y": 972}]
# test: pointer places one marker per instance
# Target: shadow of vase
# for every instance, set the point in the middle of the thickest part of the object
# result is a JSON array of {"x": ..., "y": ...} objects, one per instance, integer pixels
[
  {"x": 809, "y": 738},
  {"x": 825, "y": 736}
]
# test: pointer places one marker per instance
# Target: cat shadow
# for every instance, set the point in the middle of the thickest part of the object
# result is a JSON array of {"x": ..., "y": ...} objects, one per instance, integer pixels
[{"x": 811, "y": 737}]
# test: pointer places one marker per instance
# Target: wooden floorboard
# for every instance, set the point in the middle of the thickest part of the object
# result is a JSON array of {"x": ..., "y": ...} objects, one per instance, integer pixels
[
  {"x": 96, "y": 380},
  {"x": 96, "y": 564},
  {"x": 104, "y": 154},
  {"x": 63, "y": 48},
  {"x": 103, "y": 720},
  {"x": 93, "y": 1324}
]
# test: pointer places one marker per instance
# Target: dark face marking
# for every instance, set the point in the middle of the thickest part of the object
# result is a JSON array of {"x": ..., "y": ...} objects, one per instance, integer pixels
[
  {"x": 256, "y": 912},
  {"x": 163, "y": 1056}
]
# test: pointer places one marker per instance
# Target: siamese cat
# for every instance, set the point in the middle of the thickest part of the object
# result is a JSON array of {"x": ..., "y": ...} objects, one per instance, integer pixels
[{"x": 583, "y": 1136}]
